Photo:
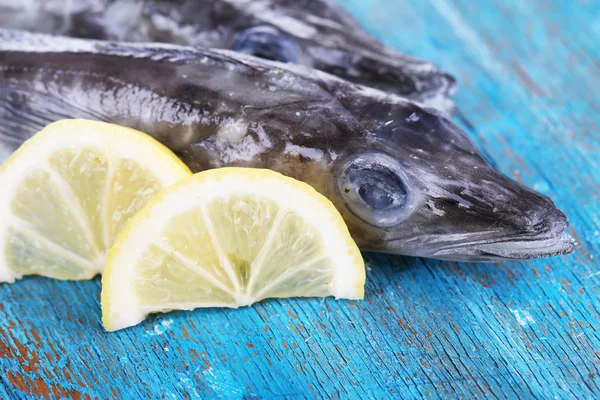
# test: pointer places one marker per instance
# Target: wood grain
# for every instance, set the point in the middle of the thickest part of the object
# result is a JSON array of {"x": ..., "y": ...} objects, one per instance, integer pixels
[{"x": 529, "y": 75}]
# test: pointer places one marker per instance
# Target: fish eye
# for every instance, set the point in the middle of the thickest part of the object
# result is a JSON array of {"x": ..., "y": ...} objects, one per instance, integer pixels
[
  {"x": 374, "y": 188},
  {"x": 266, "y": 42}
]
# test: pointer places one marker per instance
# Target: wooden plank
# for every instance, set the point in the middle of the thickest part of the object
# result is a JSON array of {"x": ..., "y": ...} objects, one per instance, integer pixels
[{"x": 528, "y": 74}]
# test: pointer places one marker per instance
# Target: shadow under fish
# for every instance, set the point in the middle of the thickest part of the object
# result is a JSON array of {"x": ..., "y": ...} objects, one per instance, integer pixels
[
  {"x": 315, "y": 33},
  {"x": 405, "y": 179}
]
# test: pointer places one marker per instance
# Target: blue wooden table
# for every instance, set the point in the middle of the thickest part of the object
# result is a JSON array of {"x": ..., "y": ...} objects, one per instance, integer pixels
[{"x": 529, "y": 74}]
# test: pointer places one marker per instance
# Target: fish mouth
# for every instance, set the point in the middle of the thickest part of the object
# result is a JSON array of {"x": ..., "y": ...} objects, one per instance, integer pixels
[
  {"x": 490, "y": 250},
  {"x": 515, "y": 249}
]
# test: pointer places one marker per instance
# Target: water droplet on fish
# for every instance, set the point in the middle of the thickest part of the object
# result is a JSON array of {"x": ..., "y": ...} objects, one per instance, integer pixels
[{"x": 412, "y": 118}]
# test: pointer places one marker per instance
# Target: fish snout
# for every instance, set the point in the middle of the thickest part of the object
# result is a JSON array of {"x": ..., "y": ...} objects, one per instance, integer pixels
[
  {"x": 530, "y": 216},
  {"x": 549, "y": 221},
  {"x": 518, "y": 224},
  {"x": 517, "y": 211}
]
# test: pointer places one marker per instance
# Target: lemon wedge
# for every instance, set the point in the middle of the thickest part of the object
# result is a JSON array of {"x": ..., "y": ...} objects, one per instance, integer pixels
[
  {"x": 67, "y": 192},
  {"x": 228, "y": 238}
]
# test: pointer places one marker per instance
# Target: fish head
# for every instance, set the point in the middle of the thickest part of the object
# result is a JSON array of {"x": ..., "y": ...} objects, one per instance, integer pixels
[
  {"x": 320, "y": 35},
  {"x": 416, "y": 185}
]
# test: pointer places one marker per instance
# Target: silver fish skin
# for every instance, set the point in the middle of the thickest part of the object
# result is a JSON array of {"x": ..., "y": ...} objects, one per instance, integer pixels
[
  {"x": 405, "y": 179},
  {"x": 315, "y": 33}
]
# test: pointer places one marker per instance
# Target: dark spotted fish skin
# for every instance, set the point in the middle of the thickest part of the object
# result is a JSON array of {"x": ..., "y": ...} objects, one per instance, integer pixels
[
  {"x": 314, "y": 33},
  {"x": 405, "y": 179}
]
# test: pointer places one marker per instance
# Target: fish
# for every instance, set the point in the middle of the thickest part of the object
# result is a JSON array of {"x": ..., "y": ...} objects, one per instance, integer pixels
[
  {"x": 405, "y": 179},
  {"x": 314, "y": 33}
]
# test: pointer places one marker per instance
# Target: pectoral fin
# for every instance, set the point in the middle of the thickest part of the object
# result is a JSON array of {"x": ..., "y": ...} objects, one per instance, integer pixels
[{"x": 23, "y": 112}]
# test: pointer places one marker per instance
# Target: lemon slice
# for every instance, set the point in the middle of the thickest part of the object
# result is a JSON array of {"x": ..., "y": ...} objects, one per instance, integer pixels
[
  {"x": 227, "y": 238},
  {"x": 68, "y": 191}
]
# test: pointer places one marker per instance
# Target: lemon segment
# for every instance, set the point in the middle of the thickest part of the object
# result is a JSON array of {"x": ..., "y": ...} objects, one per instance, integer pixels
[
  {"x": 228, "y": 238},
  {"x": 68, "y": 191}
]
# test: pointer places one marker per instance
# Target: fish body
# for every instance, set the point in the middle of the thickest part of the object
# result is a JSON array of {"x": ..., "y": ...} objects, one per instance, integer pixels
[
  {"x": 314, "y": 33},
  {"x": 405, "y": 179}
]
